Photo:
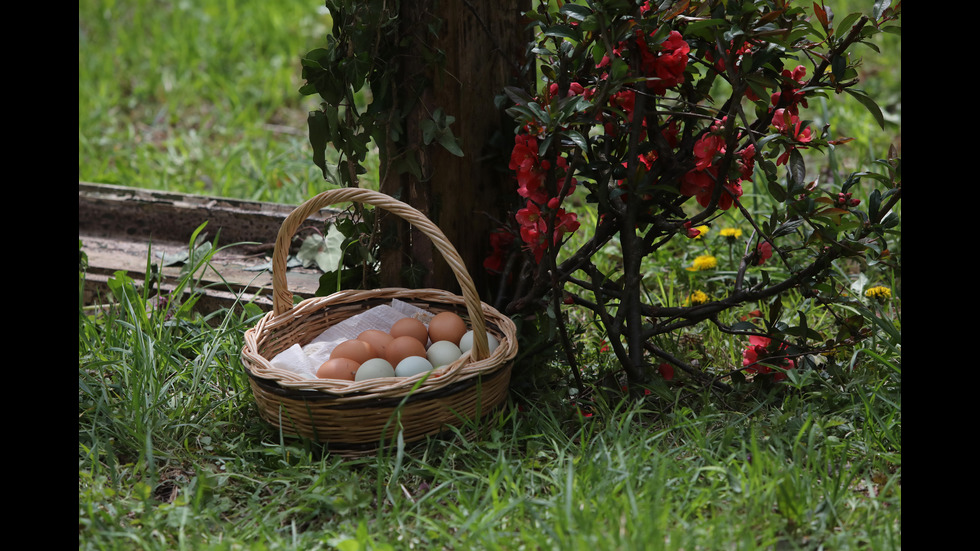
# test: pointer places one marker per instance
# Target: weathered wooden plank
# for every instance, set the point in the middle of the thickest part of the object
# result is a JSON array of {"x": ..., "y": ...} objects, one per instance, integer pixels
[{"x": 126, "y": 228}]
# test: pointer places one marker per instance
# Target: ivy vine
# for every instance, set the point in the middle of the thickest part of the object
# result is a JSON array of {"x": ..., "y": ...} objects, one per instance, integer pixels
[{"x": 357, "y": 74}]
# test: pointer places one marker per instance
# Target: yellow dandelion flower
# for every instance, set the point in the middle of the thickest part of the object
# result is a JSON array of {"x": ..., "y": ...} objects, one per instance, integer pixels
[
  {"x": 704, "y": 262},
  {"x": 879, "y": 293},
  {"x": 698, "y": 297},
  {"x": 731, "y": 233},
  {"x": 702, "y": 231}
]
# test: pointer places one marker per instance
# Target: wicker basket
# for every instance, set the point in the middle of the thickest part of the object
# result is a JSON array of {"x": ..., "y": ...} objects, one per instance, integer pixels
[{"x": 356, "y": 417}]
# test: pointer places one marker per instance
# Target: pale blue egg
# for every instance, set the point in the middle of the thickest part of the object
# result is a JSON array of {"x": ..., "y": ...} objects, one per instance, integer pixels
[
  {"x": 466, "y": 343},
  {"x": 443, "y": 353},
  {"x": 412, "y": 365},
  {"x": 373, "y": 369}
]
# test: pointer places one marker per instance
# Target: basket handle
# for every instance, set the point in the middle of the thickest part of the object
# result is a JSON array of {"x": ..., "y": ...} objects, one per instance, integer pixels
[{"x": 282, "y": 298}]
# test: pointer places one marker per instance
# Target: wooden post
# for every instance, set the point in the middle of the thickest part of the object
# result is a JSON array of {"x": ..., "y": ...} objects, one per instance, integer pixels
[{"x": 478, "y": 47}]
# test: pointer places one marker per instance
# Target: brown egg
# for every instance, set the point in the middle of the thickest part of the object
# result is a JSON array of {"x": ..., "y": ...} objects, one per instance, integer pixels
[
  {"x": 411, "y": 327},
  {"x": 402, "y": 347},
  {"x": 338, "y": 368},
  {"x": 356, "y": 350},
  {"x": 376, "y": 338},
  {"x": 447, "y": 326}
]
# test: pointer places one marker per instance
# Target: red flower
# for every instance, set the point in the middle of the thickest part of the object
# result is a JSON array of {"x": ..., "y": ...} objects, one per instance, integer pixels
[
  {"x": 648, "y": 158},
  {"x": 625, "y": 101},
  {"x": 565, "y": 222},
  {"x": 706, "y": 148},
  {"x": 665, "y": 63},
  {"x": 789, "y": 96},
  {"x": 529, "y": 215},
  {"x": 763, "y": 252},
  {"x": 747, "y": 161},
  {"x": 758, "y": 351},
  {"x": 574, "y": 89},
  {"x": 500, "y": 242},
  {"x": 530, "y": 168},
  {"x": 720, "y": 62},
  {"x": 534, "y": 227},
  {"x": 789, "y": 125},
  {"x": 753, "y": 314},
  {"x": 605, "y": 61},
  {"x": 701, "y": 185},
  {"x": 666, "y": 371},
  {"x": 844, "y": 200},
  {"x": 691, "y": 231}
]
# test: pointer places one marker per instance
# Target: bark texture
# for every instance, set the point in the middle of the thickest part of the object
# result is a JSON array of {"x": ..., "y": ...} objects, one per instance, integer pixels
[{"x": 456, "y": 56}]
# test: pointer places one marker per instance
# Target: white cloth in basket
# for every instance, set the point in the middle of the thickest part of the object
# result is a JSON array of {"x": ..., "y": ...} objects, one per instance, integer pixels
[
  {"x": 318, "y": 350},
  {"x": 295, "y": 360}
]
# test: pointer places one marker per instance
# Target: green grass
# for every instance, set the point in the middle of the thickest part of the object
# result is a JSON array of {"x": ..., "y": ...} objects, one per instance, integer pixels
[
  {"x": 202, "y": 97},
  {"x": 197, "y": 97},
  {"x": 172, "y": 455}
]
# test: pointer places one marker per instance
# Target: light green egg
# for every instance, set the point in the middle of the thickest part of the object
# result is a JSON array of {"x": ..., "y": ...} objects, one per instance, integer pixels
[
  {"x": 443, "y": 353},
  {"x": 373, "y": 369},
  {"x": 466, "y": 343},
  {"x": 412, "y": 365}
]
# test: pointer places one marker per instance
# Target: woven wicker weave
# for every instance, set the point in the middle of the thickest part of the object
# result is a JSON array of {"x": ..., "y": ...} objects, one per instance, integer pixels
[{"x": 356, "y": 416}]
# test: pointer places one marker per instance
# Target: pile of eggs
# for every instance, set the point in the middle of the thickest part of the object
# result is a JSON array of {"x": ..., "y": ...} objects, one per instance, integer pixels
[{"x": 403, "y": 351}]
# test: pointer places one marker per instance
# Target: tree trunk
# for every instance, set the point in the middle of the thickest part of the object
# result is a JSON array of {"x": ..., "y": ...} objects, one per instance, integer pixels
[{"x": 458, "y": 55}]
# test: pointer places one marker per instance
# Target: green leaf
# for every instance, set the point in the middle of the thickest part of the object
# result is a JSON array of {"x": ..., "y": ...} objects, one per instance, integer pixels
[
  {"x": 318, "y": 71},
  {"x": 196, "y": 258},
  {"x": 563, "y": 31},
  {"x": 869, "y": 104},
  {"x": 319, "y": 130},
  {"x": 796, "y": 168},
  {"x": 704, "y": 28},
  {"x": 575, "y": 11},
  {"x": 775, "y": 310},
  {"x": 787, "y": 227},
  {"x": 172, "y": 259},
  {"x": 844, "y": 25},
  {"x": 777, "y": 191},
  {"x": 450, "y": 142},
  {"x": 324, "y": 251},
  {"x": 578, "y": 139},
  {"x": 744, "y": 326},
  {"x": 803, "y": 330},
  {"x": 337, "y": 280},
  {"x": 879, "y": 7},
  {"x": 437, "y": 129},
  {"x": 407, "y": 164},
  {"x": 429, "y": 130},
  {"x": 120, "y": 283},
  {"x": 518, "y": 95}
]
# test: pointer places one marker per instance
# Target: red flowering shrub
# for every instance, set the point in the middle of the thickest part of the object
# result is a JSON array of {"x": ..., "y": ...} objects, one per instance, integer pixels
[{"x": 626, "y": 110}]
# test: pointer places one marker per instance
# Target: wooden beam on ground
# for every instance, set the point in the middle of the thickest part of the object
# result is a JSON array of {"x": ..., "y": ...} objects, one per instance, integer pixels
[{"x": 126, "y": 229}]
